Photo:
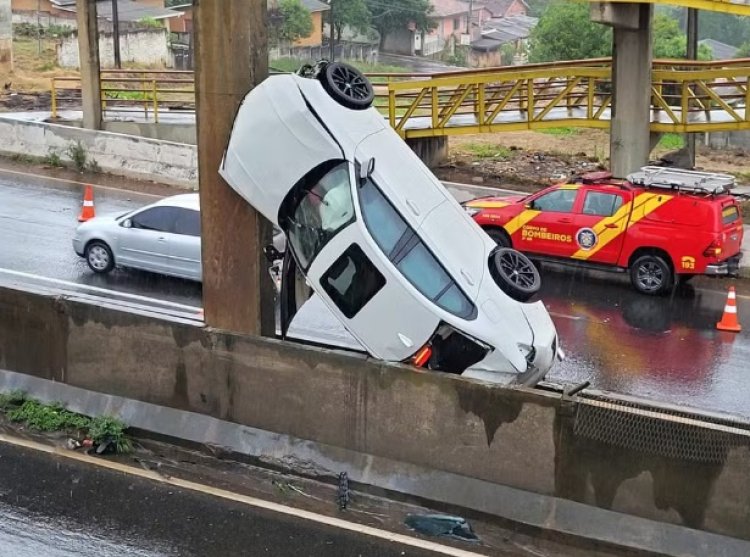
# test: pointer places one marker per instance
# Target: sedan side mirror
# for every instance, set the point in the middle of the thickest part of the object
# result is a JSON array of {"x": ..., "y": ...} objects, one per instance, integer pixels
[
  {"x": 366, "y": 169},
  {"x": 127, "y": 223}
]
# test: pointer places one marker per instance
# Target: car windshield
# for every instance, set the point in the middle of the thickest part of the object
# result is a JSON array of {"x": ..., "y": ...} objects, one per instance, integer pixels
[{"x": 323, "y": 208}]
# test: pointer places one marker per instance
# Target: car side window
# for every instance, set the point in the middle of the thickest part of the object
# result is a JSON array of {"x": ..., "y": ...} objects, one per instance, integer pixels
[
  {"x": 601, "y": 204},
  {"x": 159, "y": 219},
  {"x": 187, "y": 222},
  {"x": 352, "y": 281},
  {"x": 560, "y": 201},
  {"x": 409, "y": 254},
  {"x": 321, "y": 209}
]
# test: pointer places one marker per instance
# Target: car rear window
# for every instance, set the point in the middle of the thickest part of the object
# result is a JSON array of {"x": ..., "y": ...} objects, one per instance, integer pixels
[{"x": 730, "y": 214}]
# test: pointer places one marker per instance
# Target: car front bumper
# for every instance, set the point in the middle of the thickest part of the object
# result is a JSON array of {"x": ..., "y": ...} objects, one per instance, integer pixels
[
  {"x": 728, "y": 267},
  {"x": 78, "y": 246}
]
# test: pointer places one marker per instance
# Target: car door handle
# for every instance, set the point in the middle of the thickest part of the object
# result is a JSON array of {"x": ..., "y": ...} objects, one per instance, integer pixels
[
  {"x": 162, "y": 239},
  {"x": 611, "y": 225},
  {"x": 565, "y": 220}
]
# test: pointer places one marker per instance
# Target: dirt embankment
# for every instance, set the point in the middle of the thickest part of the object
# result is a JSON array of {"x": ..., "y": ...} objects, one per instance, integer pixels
[{"x": 532, "y": 160}]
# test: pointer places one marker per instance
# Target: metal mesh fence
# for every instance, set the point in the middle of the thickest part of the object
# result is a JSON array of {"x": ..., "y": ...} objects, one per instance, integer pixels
[{"x": 651, "y": 430}]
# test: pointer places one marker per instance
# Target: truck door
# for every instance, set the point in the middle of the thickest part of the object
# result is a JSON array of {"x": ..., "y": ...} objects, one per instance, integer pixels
[
  {"x": 601, "y": 224},
  {"x": 550, "y": 232}
]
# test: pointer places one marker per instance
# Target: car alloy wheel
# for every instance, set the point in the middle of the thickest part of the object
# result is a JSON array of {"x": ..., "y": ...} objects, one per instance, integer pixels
[
  {"x": 514, "y": 273},
  {"x": 347, "y": 85}
]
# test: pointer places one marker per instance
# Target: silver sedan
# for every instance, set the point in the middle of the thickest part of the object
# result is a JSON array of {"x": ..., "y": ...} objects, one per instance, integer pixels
[{"x": 163, "y": 237}]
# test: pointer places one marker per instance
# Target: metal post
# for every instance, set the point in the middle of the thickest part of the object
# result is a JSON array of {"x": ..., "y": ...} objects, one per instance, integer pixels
[
  {"x": 88, "y": 53},
  {"x": 237, "y": 287},
  {"x": 116, "y": 33},
  {"x": 692, "y": 54}
]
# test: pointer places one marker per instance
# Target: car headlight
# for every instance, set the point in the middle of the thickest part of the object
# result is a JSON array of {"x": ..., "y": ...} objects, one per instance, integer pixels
[{"x": 471, "y": 211}]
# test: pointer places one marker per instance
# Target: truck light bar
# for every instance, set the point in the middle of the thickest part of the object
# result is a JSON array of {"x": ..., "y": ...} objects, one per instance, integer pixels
[{"x": 679, "y": 179}]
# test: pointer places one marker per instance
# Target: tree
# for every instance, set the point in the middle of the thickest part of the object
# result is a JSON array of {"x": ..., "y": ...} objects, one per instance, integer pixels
[
  {"x": 565, "y": 32},
  {"x": 350, "y": 13},
  {"x": 671, "y": 42},
  {"x": 392, "y": 15},
  {"x": 295, "y": 21}
]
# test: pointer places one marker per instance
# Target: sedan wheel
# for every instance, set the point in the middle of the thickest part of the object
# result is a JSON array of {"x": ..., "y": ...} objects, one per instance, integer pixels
[
  {"x": 515, "y": 274},
  {"x": 99, "y": 257}
]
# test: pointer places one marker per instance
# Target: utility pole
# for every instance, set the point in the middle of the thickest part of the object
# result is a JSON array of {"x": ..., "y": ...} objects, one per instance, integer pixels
[
  {"x": 116, "y": 34},
  {"x": 468, "y": 19},
  {"x": 231, "y": 57},
  {"x": 692, "y": 54},
  {"x": 88, "y": 55}
]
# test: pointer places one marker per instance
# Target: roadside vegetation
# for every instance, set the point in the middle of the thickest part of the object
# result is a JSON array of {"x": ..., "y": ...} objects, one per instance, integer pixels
[{"x": 101, "y": 431}]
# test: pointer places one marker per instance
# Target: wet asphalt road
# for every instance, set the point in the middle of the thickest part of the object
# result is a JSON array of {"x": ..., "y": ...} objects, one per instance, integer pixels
[
  {"x": 661, "y": 348},
  {"x": 56, "y": 507}
]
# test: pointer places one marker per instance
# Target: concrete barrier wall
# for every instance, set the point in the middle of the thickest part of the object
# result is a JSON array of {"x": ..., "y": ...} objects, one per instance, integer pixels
[
  {"x": 617, "y": 455},
  {"x": 125, "y": 155}
]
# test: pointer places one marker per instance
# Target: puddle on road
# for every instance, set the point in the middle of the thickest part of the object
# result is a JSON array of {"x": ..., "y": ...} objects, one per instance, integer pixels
[{"x": 26, "y": 535}]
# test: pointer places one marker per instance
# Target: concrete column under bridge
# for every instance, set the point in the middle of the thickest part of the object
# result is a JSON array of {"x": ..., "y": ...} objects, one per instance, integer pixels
[
  {"x": 432, "y": 150},
  {"x": 632, "y": 56},
  {"x": 6, "y": 33}
]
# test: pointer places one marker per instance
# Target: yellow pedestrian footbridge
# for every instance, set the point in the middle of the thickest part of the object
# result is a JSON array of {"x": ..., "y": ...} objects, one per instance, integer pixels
[{"x": 686, "y": 96}]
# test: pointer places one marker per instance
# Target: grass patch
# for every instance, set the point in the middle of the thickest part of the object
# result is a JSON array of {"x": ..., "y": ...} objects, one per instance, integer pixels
[
  {"x": 560, "y": 132},
  {"x": 488, "y": 151},
  {"x": 55, "y": 417},
  {"x": 671, "y": 141}
]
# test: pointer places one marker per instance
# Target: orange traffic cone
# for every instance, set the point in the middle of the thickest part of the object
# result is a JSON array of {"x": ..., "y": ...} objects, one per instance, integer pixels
[
  {"x": 87, "y": 211},
  {"x": 729, "y": 320}
]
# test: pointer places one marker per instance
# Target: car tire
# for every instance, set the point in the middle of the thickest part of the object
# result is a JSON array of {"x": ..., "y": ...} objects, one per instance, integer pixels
[
  {"x": 347, "y": 85},
  {"x": 515, "y": 274},
  {"x": 651, "y": 275},
  {"x": 500, "y": 237},
  {"x": 99, "y": 257}
]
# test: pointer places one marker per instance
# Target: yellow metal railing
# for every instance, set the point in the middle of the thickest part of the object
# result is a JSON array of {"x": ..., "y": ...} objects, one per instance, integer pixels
[
  {"x": 146, "y": 91},
  {"x": 687, "y": 96}
]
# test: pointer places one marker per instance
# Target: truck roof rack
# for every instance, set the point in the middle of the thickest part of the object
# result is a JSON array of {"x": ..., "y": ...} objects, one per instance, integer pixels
[{"x": 678, "y": 179}]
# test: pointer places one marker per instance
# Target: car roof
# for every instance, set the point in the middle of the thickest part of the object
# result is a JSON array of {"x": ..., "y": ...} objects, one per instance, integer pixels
[{"x": 184, "y": 200}]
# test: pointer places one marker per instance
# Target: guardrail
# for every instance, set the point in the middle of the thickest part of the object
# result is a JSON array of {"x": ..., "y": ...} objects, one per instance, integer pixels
[{"x": 687, "y": 96}]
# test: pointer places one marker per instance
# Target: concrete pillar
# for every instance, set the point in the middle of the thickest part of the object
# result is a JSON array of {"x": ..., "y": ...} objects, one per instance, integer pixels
[
  {"x": 631, "y": 83},
  {"x": 692, "y": 54},
  {"x": 6, "y": 33},
  {"x": 231, "y": 56},
  {"x": 88, "y": 53},
  {"x": 432, "y": 150}
]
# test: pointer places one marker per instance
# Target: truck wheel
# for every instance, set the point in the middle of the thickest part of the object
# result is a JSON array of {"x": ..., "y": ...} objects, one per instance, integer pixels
[
  {"x": 650, "y": 274},
  {"x": 514, "y": 273},
  {"x": 347, "y": 85},
  {"x": 500, "y": 237}
]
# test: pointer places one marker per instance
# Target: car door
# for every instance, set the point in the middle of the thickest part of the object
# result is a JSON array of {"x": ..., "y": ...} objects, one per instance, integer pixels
[
  {"x": 600, "y": 225},
  {"x": 350, "y": 272},
  {"x": 185, "y": 244},
  {"x": 552, "y": 230},
  {"x": 145, "y": 243}
]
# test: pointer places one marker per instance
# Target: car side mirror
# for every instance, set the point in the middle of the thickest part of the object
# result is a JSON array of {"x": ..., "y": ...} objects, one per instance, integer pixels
[
  {"x": 366, "y": 169},
  {"x": 127, "y": 223},
  {"x": 529, "y": 205}
]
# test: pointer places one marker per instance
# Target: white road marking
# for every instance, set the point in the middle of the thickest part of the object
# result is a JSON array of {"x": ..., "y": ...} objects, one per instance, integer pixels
[
  {"x": 239, "y": 498},
  {"x": 96, "y": 186}
]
